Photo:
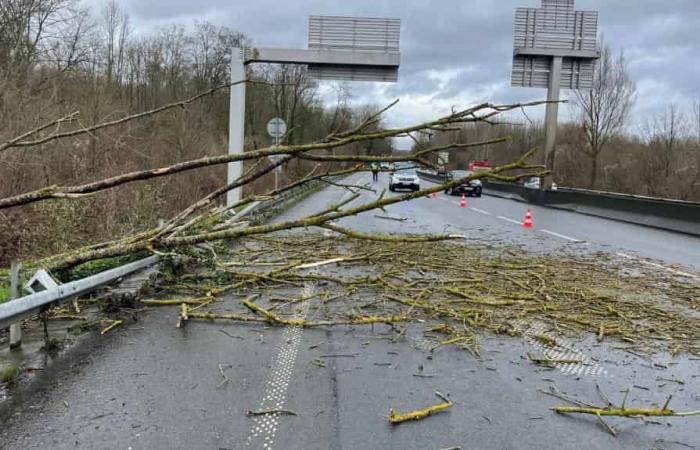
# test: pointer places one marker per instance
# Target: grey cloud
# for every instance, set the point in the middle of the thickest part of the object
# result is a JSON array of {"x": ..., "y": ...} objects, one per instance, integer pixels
[{"x": 658, "y": 37}]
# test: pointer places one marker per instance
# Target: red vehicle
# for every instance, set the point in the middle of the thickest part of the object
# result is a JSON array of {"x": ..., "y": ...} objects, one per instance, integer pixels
[{"x": 480, "y": 166}]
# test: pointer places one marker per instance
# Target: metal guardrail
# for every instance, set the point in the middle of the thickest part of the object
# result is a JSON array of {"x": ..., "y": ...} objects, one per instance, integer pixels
[
  {"x": 22, "y": 307},
  {"x": 19, "y": 308}
]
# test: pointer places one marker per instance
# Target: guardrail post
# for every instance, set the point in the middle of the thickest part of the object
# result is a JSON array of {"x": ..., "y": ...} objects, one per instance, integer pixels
[{"x": 15, "y": 328}]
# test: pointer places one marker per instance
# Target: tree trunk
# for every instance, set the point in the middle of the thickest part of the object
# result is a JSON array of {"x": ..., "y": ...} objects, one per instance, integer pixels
[{"x": 593, "y": 177}]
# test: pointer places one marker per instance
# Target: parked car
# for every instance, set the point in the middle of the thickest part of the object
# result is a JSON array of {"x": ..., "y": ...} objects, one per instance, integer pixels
[
  {"x": 471, "y": 188},
  {"x": 404, "y": 179}
]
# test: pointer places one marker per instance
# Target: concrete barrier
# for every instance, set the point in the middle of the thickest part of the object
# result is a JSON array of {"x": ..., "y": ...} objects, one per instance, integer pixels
[{"x": 665, "y": 214}]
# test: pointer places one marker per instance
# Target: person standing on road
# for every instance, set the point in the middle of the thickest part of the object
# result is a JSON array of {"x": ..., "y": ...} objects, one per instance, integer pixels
[{"x": 375, "y": 172}]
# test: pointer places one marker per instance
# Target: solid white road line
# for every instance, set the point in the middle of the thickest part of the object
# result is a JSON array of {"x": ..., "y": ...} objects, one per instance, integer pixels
[
  {"x": 659, "y": 266},
  {"x": 563, "y": 236},
  {"x": 510, "y": 220}
]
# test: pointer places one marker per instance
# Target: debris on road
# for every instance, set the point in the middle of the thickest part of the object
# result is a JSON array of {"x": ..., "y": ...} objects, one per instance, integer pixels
[
  {"x": 222, "y": 369},
  {"x": 111, "y": 326},
  {"x": 397, "y": 219},
  {"x": 611, "y": 410},
  {"x": 271, "y": 411},
  {"x": 396, "y": 418},
  {"x": 553, "y": 361},
  {"x": 457, "y": 290}
]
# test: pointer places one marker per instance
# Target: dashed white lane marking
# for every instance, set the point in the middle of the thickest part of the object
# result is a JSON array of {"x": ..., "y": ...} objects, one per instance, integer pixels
[
  {"x": 659, "y": 266},
  {"x": 481, "y": 211},
  {"x": 563, "y": 350},
  {"x": 563, "y": 236},
  {"x": 262, "y": 433},
  {"x": 509, "y": 220}
]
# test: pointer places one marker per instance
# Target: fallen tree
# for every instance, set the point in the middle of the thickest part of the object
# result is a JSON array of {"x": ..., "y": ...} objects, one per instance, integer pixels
[{"x": 206, "y": 221}]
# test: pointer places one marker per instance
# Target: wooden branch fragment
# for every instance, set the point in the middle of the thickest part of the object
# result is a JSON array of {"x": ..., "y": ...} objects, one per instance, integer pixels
[
  {"x": 114, "y": 324},
  {"x": 320, "y": 263},
  {"x": 386, "y": 238},
  {"x": 396, "y": 417},
  {"x": 223, "y": 374},
  {"x": 553, "y": 361},
  {"x": 174, "y": 302},
  {"x": 184, "y": 315},
  {"x": 624, "y": 412},
  {"x": 264, "y": 412},
  {"x": 300, "y": 151},
  {"x": 480, "y": 301},
  {"x": 397, "y": 219},
  {"x": 546, "y": 340},
  {"x": 18, "y": 142}
]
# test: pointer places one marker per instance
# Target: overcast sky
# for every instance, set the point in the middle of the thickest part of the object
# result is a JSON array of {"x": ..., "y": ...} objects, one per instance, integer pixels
[{"x": 458, "y": 52}]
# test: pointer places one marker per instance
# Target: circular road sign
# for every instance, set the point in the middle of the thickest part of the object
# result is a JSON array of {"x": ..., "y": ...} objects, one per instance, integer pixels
[{"x": 276, "y": 128}]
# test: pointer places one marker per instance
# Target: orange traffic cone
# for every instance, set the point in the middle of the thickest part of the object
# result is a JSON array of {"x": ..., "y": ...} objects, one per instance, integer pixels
[
  {"x": 528, "y": 219},
  {"x": 463, "y": 202},
  {"x": 434, "y": 195}
]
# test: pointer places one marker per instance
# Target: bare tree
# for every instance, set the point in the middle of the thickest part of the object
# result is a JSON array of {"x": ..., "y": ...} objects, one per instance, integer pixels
[
  {"x": 604, "y": 109},
  {"x": 665, "y": 135}
]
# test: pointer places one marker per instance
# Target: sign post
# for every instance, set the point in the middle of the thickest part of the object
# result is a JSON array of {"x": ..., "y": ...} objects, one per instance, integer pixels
[
  {"x": 339, "y": 48},
  {"x": 276, "y": 128},
  {"x": 554, "y": 47}
]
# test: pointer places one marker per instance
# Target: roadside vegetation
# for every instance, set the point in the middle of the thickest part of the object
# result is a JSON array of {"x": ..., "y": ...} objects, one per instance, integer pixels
[
  {"x": 599, "y": 147},
  {"x": 63, "y": 64}
]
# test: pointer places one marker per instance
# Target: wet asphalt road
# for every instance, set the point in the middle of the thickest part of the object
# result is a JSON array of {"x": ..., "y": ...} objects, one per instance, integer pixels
[{"x": 152, "y": 386}]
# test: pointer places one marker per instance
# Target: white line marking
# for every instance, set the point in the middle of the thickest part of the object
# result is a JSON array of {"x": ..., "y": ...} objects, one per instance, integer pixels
[
  {"x": 563, "y": 236},
  {"x": 563, "y": 350},
  {"x": 481, "y": 211},
  {"x": 658, "y": 266},
  {"x": 509, "y": 220},
  {"x": 263, "y": 429}
]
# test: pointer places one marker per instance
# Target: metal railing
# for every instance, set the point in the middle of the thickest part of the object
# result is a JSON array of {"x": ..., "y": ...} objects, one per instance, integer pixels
[
  {"x": 13, "y": 311},
  {"x": 19, "y": 308}
]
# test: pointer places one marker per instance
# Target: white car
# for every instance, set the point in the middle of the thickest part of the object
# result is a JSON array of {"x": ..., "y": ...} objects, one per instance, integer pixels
[
  {"x": 532, "y": 183},
  {"x": 405, "y": 179}
]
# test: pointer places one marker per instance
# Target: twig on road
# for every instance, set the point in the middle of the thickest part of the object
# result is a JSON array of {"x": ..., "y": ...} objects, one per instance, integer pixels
[{"x": 396, "y": 417}]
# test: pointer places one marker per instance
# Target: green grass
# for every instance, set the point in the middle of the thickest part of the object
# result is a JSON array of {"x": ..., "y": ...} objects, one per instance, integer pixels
[
  {"x": 4, "y": 288},
  {"x": 10, "y": 373}
]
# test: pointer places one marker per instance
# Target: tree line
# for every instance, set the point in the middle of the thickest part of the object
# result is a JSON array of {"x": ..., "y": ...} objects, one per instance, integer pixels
[
  {"x": 59, "y": 59},
  {"x": 599, "y": 147}
]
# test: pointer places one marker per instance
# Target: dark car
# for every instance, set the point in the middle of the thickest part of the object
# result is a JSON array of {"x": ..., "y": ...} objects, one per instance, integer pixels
[{"x": 471, "y": 188}]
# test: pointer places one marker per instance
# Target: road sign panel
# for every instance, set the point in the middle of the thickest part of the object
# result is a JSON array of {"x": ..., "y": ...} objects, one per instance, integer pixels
[
  {"x": 276, "y": 128},
  {"x": 554, "y": 30},
  {"x": 361, "y": 35}
]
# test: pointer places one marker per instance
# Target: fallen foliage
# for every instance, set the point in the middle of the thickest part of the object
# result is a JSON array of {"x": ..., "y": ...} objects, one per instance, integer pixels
[{"x": 460, "y": 290}]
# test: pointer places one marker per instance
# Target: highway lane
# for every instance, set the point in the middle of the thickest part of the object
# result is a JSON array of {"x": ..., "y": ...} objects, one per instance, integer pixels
[
  {"x": 153, "y": 386},
  {"x": 489, "y": 214}
]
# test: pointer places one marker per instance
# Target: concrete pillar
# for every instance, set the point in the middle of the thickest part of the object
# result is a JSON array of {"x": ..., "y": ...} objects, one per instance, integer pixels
[
  {"x": 551, "y": 118},
  {"x": 236, "y": 122}
]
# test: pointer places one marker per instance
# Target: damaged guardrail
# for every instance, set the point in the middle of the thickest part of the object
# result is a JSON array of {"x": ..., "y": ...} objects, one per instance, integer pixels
[{"x": 18, "y": 308}]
